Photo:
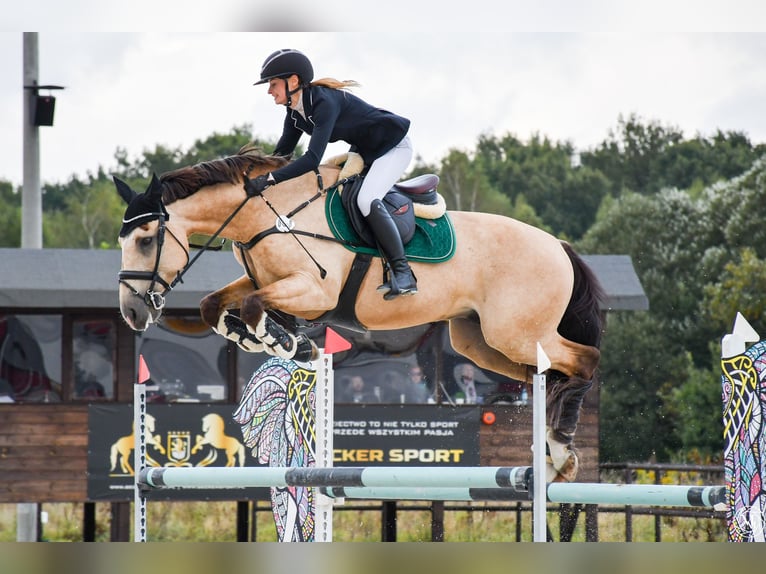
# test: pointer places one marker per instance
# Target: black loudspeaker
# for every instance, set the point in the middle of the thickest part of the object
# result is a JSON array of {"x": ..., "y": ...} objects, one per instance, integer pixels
[{"x": 44, "y": 107}]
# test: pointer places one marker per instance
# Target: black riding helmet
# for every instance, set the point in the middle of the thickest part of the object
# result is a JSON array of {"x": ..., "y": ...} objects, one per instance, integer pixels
[{"x": 285, "y": 63}]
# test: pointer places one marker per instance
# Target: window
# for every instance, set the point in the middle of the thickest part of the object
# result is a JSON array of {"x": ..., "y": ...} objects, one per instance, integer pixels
[
  {"x": 187, "y": 361},
  {"x": 30, "y": 358},
  {"x": 93, "y": 347}
]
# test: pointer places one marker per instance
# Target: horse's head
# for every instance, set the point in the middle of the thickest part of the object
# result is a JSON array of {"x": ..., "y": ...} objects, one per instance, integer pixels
[
  {"x": 150, "y": 266},
  {"x": 212, "y": 423}
]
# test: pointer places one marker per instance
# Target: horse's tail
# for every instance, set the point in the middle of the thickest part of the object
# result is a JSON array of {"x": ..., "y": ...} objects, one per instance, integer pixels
[{"x": 582, "y": 324}]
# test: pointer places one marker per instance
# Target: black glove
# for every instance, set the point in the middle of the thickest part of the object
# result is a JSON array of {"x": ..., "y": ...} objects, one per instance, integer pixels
[{"x": 256, "y": 185}]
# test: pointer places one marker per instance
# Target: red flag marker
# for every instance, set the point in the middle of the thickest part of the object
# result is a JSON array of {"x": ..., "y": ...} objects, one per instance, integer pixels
[
  {"x": 143, "y": 370},
  {"x": 334, "y": 343}
]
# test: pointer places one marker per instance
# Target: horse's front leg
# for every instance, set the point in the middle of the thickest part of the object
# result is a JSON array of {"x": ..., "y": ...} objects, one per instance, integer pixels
[
  {"x": 295, "y": 294},
  {"x": 215, "y": 311},
  {"x": 276, "y": 339}
]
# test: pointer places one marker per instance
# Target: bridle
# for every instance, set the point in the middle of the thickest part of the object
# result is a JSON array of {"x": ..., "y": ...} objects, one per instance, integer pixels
[{"x": 151, "y": 296}]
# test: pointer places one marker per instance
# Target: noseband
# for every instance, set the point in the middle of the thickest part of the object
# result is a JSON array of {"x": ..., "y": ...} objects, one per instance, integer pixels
[{"x": 152, "y": 297}]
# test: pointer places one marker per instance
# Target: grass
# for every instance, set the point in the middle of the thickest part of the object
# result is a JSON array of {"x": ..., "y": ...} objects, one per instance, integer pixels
[{"x": 360, "y": 521}]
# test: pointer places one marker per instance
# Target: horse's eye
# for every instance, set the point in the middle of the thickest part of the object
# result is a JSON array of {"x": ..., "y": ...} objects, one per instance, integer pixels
[{"x": 146, "y": 241}]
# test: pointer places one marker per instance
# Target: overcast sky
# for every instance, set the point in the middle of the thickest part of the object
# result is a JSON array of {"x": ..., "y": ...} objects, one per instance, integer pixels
[{"x": 137, "y": 90}]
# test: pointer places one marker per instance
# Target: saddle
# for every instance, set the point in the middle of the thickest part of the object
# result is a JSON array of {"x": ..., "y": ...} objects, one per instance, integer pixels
[
  {"x": 399, "y": 201},
  {"x": 415, "y": 197}
]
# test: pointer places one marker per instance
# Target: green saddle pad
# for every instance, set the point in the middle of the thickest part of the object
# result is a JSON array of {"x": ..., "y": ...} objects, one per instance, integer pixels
[{"x": 433, "y": 241}]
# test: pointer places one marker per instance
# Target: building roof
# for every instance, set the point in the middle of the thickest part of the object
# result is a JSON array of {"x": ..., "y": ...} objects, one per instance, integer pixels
[
  {"x": 87, "y": 279},
  {"x": 620, "y": 281}
]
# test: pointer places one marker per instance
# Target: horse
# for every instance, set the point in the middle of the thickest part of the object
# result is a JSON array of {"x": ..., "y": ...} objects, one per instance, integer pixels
[
  {"x": 507, "y": 287},
  {"x": 122, "y": 448},
  {"x": 215, "y": 436}
]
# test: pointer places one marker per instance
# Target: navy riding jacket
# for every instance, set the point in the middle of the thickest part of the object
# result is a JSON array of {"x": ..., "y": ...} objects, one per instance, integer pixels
[{"x": 337, "y": 115}]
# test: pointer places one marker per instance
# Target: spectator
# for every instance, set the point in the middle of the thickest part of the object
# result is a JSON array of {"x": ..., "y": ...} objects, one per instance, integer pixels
[
  {"x": 465, "y": 383},
  {"x": 417, "y": 391},
  {"x": 354, "y": 391}
]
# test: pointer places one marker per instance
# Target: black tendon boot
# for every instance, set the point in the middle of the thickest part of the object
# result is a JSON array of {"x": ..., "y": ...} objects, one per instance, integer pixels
[{"x": 401, "y": 280}]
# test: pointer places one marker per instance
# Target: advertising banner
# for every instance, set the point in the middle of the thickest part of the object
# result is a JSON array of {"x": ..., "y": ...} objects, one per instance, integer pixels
[
  {"x": 406, "y": 435},
  {"x": 176, "y": 435}
]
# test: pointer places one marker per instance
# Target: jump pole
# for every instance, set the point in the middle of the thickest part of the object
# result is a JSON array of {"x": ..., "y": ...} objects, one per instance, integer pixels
[{"x": 432, "y": 483}]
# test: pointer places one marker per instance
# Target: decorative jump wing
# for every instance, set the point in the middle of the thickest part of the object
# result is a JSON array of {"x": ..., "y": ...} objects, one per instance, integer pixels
[{"x": 276, "y": 414}]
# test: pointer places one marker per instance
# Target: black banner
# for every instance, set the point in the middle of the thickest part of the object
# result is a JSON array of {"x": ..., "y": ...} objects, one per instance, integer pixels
[{"x": 406, "y": 435}]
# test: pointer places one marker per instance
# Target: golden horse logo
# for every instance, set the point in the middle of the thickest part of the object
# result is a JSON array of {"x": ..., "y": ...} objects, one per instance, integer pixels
[
  {"x": 124, "y": 446},
  {"x": 214, "y": 436}
]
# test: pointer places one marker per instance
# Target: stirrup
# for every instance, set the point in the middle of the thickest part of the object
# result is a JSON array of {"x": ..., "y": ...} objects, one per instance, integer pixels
[
  {"x": 395, "y": 291},
  {"x": 400, "y": 292}
]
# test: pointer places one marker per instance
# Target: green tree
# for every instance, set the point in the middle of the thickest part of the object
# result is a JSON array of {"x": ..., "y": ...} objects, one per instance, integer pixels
[
  {"x": 646, "y": 354},
  {"x": 10, "y": 215},
  {"x": 646, "y": 157},
  {"x": 739, "y": 289},
  {"x": 465, "y": 187},
  {"x": 90, "y": 217},
  {"x": 700, "y": 258},
  {"x": 631, "y": 156},
  {"x": 565, "y": 195},
  {"x": 695, "y": 405},
  {"x": 639, "y": 365},
  {"x": 161, "y": 159}
]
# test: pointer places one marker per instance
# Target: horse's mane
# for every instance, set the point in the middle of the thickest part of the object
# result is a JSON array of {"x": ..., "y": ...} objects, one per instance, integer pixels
[{"x": 185, "y": 181}]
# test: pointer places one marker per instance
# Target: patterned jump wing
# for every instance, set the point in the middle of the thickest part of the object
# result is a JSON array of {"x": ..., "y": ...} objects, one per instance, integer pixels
[
  {"x": 261, "y": 413},
  {"x": 276, "y": 414}
]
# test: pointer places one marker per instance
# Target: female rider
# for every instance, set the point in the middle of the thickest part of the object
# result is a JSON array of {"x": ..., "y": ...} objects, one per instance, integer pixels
[{"x": 326, "y": 111}]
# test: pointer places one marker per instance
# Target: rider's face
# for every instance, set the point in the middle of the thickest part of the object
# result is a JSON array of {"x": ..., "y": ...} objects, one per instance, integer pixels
[{"x": 277, "y": 89}]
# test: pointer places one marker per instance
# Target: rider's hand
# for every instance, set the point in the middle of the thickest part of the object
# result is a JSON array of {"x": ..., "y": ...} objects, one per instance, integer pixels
[{"x": 256, "y": 185}]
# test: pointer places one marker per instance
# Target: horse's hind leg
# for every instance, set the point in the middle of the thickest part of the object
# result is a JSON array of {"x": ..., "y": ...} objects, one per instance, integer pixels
[
  {"x": 564, "y": 401},
  {"x": 467, "y": 339},
  {"x": 564, "y": 397}
]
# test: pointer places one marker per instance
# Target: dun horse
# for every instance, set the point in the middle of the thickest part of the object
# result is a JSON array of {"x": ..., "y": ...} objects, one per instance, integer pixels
[{"x": 507, "y": 287}]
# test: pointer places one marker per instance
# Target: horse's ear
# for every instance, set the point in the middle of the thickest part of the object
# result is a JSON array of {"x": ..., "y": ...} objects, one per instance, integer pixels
[
  {"x": 155, "y": 188},
  {"x": 126, "y": 193}
]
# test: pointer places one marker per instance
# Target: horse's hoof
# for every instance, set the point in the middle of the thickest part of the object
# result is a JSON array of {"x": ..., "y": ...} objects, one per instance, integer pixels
[
  {"x": 250, "y": 345},
  {"x": 306, "y": 350},
  {"x": 231, "y": 327},
  {"x": 277, "y": 340},
  {"x": 563, "y": 460},
  {"x": 566, "y": 474}
]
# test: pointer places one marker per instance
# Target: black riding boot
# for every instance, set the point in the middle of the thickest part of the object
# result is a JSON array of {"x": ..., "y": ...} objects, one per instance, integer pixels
[{"x": 401, "y": 279}]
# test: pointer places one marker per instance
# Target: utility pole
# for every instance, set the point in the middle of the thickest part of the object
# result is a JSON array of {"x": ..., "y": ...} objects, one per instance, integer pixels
[
  {"x": 31, "y": 191},
  {"x": 28, "y": 514}
]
